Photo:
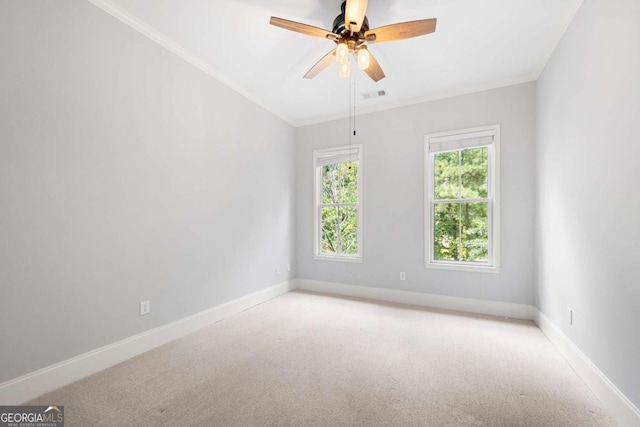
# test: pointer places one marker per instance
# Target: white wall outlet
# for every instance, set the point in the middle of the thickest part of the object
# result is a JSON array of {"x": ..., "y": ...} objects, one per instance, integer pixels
[
  {"x": 278, "y": 270},
  {"x": 145, "y": 307},
  {"x": 288, "y": 267},
  {"x": 570, "y": 315},
  {"x": 403, "y": 276}
]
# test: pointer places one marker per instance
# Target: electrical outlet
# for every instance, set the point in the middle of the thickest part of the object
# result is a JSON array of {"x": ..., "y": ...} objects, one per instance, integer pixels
[
  {"x": 570, "y": 315},
  {"x": 403, "y": 276},
  {"x": 278, "y": 270},
  {"x": 288, "y": 267},
  {"x": 145, "y": 307}
]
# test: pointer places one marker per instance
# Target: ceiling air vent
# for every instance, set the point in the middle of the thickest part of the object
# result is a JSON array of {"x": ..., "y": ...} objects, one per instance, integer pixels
[{"x": 374, "y": 94}]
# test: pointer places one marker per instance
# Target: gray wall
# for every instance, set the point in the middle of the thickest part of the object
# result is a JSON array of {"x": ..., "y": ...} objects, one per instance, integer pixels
[
  {"x": 125, "y": 174},
  {"x": 588, "y": 182},
  {"x": 394, "y": 195}
]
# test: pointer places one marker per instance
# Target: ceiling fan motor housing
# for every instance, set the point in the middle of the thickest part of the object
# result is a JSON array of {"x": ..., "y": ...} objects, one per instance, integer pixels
[{"x": 340, "y": 29}]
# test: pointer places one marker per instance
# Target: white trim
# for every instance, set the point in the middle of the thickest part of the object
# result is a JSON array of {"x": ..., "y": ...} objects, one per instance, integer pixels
[
  {"x": 471, "y": 89},
  {"x": 493, "y": 196},
  {"x": 26, "y": 387},
  {"x": 557, "y": 37},
  {"x": 620, "y": 407},
  {"x": 476, "y": 133},
  {"x": 496, "y": 208},
  {"x": 468, "y": 305},
  {"x": 317, "y": 192},
  {"x": 455, "y": 266},
  {"x": 34, "y": 384},
  {"x": 144, "y": 29},
  {"x": 337, "y": 258},
  {"x": 128, "y": 19}
]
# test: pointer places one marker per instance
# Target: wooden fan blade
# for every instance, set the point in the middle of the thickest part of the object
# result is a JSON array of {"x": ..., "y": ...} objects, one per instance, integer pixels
[
  {"x": 299, "y": 27},
  {"x": 402, "y": 30},
  {"x": 324, "y": 62},
  {"x": 354, "y": 13},
  {"x": 373, "y": 70}
]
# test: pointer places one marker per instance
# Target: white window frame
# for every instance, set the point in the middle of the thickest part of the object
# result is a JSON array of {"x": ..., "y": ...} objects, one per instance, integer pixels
[
  {"x": 484, "y": 136},
  {"x": 342, "y": 154}
]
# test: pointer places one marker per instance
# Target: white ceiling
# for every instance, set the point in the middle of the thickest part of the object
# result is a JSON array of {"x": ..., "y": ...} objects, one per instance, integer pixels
[{"x": 478, "y": 44}]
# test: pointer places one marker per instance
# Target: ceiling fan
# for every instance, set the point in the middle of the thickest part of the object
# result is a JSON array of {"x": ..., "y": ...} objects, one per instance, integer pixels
[{"x": 351, "y": 34}]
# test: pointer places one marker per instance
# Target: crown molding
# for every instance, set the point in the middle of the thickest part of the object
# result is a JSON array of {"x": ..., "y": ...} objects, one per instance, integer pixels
[
  {"x": 144, "y": 29},
  {"x": 471, "y": 89},
  {"x": 556, "y": 41}
]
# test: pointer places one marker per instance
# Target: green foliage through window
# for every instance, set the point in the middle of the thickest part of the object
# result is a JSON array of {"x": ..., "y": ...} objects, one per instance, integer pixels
[
  {"x": 460, "y": 206},
  {"x": 339, "y": 209}
]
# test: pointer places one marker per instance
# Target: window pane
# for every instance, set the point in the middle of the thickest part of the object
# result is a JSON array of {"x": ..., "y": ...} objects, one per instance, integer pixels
[
  {"x": 340, "y": 183},
  {"x": 339, "y": 230},
  {"x": 446, "y": 175},
  {"x": 446, "y": 238},
  {"x": 475, "y": 232},
  {"x": 461, "y": 232},
  {"x": 474, "y": 171}
]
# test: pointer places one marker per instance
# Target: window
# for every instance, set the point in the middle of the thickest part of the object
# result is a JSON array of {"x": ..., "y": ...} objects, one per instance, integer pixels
[
  {"x": 338, "y": 203},
  {"x": 462, "y": 188}
]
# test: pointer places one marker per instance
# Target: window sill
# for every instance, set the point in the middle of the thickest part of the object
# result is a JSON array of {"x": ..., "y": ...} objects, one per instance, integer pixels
[
  {"x": 462, "y": 267},
  {"x": 339, "y": 259}
]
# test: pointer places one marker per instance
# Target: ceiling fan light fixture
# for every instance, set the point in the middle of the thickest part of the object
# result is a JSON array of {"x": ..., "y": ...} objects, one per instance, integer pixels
[
  {"x": 363, "y": 58},
  {"x": 342, "y": 52},
  {"x": 345, "y": 69}
]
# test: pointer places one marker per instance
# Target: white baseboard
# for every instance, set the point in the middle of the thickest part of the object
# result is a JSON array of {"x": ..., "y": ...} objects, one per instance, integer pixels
[
  {"x": 492, "y": 308},
  {"x": 34, "y": 384},
  {"x": 618, "y": 405},
  {"x": 19, "y": 390}
]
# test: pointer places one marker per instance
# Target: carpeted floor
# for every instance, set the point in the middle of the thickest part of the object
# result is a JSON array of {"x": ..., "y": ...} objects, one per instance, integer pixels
[{"x": 310, "y": 359}]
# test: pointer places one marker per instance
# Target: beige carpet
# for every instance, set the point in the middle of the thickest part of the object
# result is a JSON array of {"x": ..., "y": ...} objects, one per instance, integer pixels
[{"x": 309, "y": 359}]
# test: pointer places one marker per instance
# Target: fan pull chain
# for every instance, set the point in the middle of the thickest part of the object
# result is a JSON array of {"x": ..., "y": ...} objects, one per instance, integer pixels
[
  {"x": 349, "y": 114},
  {"x": 354, "y": 117},
  {"x": 354, "y": 106}
]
